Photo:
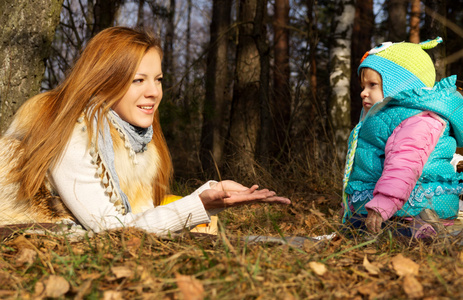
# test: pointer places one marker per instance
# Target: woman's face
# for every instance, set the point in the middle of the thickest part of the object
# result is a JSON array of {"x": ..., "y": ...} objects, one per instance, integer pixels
[{"x": 141, "y": 101}]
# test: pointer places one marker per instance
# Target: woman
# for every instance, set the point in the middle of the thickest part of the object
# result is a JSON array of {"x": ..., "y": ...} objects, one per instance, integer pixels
[{"x": 92, "y": 151}]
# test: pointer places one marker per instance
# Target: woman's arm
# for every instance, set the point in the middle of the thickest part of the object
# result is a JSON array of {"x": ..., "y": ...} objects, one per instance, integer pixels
[
  {"x": 407, "y": 151},
  {"x": 83, "y": 193}
]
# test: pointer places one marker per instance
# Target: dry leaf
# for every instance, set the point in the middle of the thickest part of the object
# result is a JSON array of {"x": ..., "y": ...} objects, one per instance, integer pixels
[
  {"x": 112, "y": 295},
  {"x": 368, "y": 289},
  {"x": 460, "y": 256},
  {"x": 412, "y": 287},
  {"x": 321, "y": 200},
  {"x": 133, "y": 246},
  {"x": 190, "y": 287},
  {"x": 21, "y": 242},
  {"x": 84, "y": 289},
  {"x": 134, "y": 242},
  {"x": 39, "y": 289},
  {"x": 311, "y": 221},
  {"x": 91, "y": 276},
  {"x": 370, "y": 251},
  {"x": 404, "y": 266},
  {"x": 289, "y": 297},
  {"x": 372, "y": 269},
  {"x": 318, "y": 268},
  {"x": 459, "y": 270},
  {"x": 122, "y": 271},
  {"x": 56, "y": 286},
  {"x": 26, "y": 256}
]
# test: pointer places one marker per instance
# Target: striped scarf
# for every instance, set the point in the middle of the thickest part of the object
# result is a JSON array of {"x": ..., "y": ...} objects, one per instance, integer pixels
[{"x": 348, "y": 169}]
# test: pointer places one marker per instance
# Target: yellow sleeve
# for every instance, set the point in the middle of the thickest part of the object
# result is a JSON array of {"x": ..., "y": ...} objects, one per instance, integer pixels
[{"x": 170, "y": 198}]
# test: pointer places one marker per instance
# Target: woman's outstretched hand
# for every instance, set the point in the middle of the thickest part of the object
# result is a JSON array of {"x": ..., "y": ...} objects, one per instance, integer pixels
[{"x": 228, "y": 193}]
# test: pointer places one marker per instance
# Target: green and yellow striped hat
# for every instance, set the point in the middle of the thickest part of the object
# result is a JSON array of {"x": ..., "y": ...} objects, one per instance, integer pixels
[{"x": 402, "y": 66}]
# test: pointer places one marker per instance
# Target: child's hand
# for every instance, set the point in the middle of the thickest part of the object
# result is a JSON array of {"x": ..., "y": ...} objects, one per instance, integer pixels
[{"x": 373, "y": 221}]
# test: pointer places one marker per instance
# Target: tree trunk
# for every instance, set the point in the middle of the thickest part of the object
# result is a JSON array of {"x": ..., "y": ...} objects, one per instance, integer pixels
[
  {"x": 361, "y": 42},
  {"x": 397, "y": 20},
  {"x": 28, "y": 27},
  {"x": 434, "y": 21},
  {"x": 454, "y": 40},
  {"x": 217, "y": 92},
  {"x": 141, "y": 14},
  {"x": 340, "y": 60},
  {"x": 415, "y": 16},
  {"x": 186, "y": 101},
  {"x": 104, "y": 13},
  {"x": 168, "y": 59},
  {"x": 281, "y": 104},
  {"x": 265, "y": 137},
  {"x": 245, "y": 116},
  {"x": 313, "y": 37}
]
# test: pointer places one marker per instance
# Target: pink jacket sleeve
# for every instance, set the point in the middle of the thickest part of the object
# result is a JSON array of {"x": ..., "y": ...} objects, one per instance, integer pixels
[{"x": 407, "y": 151}]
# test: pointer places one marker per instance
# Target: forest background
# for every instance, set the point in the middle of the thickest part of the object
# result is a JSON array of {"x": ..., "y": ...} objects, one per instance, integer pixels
[
  {"x": 251, "y": 86},
  {"x": 260, "y": 91}
]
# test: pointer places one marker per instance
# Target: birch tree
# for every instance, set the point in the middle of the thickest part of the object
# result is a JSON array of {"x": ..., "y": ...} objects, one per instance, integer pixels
[{"x": 340, "y": 61}]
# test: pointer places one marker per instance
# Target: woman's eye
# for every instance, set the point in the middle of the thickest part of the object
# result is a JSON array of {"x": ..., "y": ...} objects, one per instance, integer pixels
[
  {"x": 381, "y": 47},
  {"x": 139, "y": 80},
  {"x": 160, "y": 79}
]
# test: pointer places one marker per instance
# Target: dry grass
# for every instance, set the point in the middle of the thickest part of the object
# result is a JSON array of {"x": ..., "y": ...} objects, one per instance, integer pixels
[{"x": 131, "y": 264}]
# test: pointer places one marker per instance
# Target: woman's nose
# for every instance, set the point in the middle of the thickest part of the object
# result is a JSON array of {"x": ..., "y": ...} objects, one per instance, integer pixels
[{"x": 153, "y": 90}]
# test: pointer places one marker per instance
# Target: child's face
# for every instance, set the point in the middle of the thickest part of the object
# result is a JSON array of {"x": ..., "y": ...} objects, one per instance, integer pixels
[{"x": 372, "y": 88}]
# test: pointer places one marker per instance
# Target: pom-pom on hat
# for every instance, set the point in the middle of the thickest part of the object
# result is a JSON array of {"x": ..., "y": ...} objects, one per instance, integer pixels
[{"x": 402, "y": 66}]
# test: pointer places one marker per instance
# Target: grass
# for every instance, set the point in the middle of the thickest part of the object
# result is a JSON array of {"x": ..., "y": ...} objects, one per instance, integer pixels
[{"x": 131, "y": 264}]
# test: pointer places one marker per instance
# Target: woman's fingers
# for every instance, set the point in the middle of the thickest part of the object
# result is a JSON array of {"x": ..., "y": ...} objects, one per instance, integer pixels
[{"x": 230, "y": 194}]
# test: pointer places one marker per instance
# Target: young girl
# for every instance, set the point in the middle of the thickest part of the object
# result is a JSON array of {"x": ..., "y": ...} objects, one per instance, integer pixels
[
  {"x": 398, "y": 161},
  {"x": 92, "y": 151}
]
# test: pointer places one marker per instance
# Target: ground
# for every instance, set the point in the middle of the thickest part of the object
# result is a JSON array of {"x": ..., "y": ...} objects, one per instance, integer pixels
[{"x": 132, "y": 264}]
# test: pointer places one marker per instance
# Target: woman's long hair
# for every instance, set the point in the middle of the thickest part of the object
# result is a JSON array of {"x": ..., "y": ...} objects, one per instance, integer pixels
[{"x": 100, "y": 78}]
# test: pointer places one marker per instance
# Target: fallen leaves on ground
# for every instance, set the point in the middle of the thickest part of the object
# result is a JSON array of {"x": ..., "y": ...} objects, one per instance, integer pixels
[
  {"x": 190, "y": 287},
  {"x": 404, "y": 266},
  {"x": 318, "y": 268}
]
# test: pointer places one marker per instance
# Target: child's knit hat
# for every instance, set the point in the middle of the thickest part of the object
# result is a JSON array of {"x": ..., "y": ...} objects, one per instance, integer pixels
[{"x": 402, "y": 66}]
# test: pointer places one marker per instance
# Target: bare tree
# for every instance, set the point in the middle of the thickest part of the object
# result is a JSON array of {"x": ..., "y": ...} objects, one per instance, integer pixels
[
  {"x": 434, "y": 25},
  {"x": 104, "y": 14},
  {"x": 28, "y": 28},
  {"x": 217, "y": 82},
  {"x": 361, "y": 42},
  {"x": 249, "y": 90},
  {"x": 397, "y": 20},
  {"x": 281, "y": 104},
  {"x": 415, "y": 16},
  {"x": 312, "y": 39},
  {"x": 168, "y": 60}
]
